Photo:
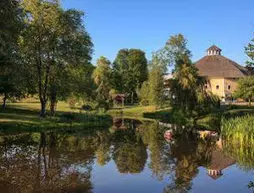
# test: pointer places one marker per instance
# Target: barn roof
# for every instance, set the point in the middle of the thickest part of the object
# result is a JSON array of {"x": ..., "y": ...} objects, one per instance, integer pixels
[{"x": 220, "y": 66}]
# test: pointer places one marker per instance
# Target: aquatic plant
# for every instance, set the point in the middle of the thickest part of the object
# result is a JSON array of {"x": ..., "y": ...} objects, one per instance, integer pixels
[{"x": 238, "y": 134}]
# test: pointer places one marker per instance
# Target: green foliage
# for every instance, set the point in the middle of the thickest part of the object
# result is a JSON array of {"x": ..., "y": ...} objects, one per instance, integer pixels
[
  {"x": 102, "y": 78},
  {"x": 152, "y": 91},
  {"x": 143, "y": 93},
  {"x": 175, "y": 48},
  {"x": 249, "y": 50},
  {"x": 56, "y": 49},
  {"x": 187, "y": 91},
  {"x": 239, "y": 126},
  {"x": 156, "y": 83},
  {"x": 87, "y": 107},
  {"x": 210, "y": 121},
  {"x": 11, "y": 83},
  {"x": 129, "y": 152},
  {"x": 245, "y": 88},
  {"x": 129, "y": 72},
  {"x": 239, "y": 140}
]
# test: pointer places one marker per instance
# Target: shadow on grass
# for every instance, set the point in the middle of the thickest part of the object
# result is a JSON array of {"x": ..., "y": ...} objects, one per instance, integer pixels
[
  {"x": 12, "y": 110},
  {"x": 29, "y": 120}
]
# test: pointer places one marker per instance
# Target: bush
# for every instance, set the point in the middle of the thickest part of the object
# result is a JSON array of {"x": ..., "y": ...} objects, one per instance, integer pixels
[{"x": 87, "y": 108}]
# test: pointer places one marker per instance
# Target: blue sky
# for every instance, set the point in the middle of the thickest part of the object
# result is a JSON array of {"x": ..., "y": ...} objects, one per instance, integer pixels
[{"x": 147, "y": 24}]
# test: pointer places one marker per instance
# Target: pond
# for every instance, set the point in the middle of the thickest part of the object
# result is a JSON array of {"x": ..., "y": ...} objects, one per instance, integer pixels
[{"x": 131, "y": 156}]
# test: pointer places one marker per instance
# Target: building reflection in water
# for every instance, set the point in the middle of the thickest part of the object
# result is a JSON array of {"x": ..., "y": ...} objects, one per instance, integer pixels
[{"x": 218, "y": 161}]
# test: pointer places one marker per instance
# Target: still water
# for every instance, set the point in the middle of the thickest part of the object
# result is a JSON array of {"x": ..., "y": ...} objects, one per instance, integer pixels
[{"x": 129, "y": 157}]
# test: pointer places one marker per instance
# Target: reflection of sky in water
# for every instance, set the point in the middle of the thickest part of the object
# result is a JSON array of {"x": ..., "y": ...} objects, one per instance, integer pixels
[{"x": 107, "y": 179}]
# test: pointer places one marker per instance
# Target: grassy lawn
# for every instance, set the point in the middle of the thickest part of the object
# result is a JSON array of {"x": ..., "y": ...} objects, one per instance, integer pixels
[
  {"x": 35, "y": 106},
  {"x": 149, "y": 112},
  {"x": 23, "y": 116},
  {"x": 132, "y": 111}
]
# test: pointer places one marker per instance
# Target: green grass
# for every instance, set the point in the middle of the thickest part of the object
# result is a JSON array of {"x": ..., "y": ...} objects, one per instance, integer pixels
[
  {"x": 238, "y": 134},
  {"x": 132, "y": 111},
  {"x": 25, "y": 116},
  {"x": 214, "y": 120},
  {"x": 35, "y": 106},
  {"x": 238, "y": 127},
  {"x": 210, "y": 121}
]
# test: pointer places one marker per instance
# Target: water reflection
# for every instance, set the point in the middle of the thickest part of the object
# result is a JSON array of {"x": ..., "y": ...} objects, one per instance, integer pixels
[{"x": 64, "y": 162}]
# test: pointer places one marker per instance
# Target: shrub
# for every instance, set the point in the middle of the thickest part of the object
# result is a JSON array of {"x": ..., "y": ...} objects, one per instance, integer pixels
[{"x": 87, "y": 107}]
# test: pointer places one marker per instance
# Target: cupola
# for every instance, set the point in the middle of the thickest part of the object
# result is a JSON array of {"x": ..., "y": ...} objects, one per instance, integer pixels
[{"x": 213, "y": 51}]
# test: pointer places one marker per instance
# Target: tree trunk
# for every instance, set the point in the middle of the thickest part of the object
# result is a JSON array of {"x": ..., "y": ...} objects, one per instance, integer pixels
[
  {"x": 43, "y": 108},
  {"x": 53, "y": 104},
  {"x": 132, "y": 98},
  {"x": 53, "y": 100},
  {"x": 4, "y": 101}
]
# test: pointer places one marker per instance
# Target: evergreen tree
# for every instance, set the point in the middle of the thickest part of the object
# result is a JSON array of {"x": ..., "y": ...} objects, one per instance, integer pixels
[{"x": 102, "y": 78}]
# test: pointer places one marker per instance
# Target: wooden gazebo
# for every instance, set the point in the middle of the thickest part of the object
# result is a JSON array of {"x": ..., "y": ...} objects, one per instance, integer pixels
[{"x": 118, "y": 99}]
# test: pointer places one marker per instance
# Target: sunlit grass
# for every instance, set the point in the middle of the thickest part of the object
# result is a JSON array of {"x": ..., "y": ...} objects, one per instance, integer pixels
[
  {"x": 133, "y": 110},
  {"x": 139, "y": 111},
  {"x": 238, "y": 127},
  {"x": 25, "y": 115},
  {"x": 61, "y": 106}
]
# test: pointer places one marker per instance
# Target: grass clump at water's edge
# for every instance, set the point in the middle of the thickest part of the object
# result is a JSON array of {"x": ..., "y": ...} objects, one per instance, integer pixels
[
  {"x": 238, "y": 127},
  {"x": 238, "y": 134}
]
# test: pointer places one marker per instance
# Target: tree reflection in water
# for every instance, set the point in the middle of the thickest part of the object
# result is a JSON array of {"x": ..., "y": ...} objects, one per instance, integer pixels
[
  {"x": 63, "y": 162},
  {"x": 42, "y": 162}
]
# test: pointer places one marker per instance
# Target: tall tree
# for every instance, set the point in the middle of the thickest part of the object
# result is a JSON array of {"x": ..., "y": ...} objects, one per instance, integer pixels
[
  {"x": 156, "y": 81},
  {"x": 11, "y": 24},
  {"x": 175, "y": 47},
  {"x": 130, "y": 71},
  {"x": 102, "y": 78},
  {"x": 152, "y": 90},
  {"x": 54, "y": 43},
  {"x": 73, "y": 69}
]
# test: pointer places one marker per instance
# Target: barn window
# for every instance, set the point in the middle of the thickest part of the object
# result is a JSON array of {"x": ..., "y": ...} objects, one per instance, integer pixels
[
  {"x": 229, "y": 87},
  {"x": 217, "y": 87}
]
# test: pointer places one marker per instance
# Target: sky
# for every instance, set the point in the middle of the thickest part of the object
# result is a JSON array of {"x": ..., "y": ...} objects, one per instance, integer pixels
[{"x": 148, "y": 24}]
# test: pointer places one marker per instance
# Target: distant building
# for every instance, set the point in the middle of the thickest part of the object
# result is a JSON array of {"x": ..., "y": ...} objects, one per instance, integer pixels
[
  {"x": 167, "y": 77},
  {"x": 221, "y": 73}
]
